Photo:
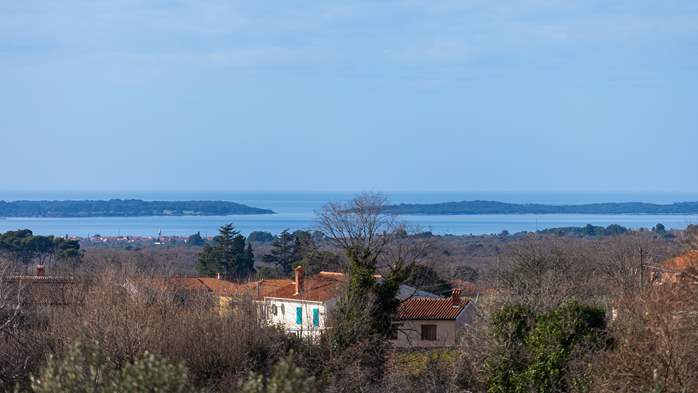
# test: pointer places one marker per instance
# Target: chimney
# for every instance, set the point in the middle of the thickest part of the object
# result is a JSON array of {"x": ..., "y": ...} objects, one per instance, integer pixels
[
  {"x": 40, "y": 270},
  {"x": 455, "y": 296},
  {"x": 299, "y": 280}
]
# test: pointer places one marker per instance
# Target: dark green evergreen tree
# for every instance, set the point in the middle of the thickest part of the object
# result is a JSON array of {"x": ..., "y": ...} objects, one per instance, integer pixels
[
  {"x": 260, "y": 236},
  {"x": 299, "y": 248},
  {"x": 22, "y": 246},
  {"x": 425, "y": 278},
  {"x": 196, "y": 240},
  {"x": 314, "y": 261},
  {"x": 284, "y": 252},
  {"x": 245, "y": 266},
  {"x": 227, "y": 255}
]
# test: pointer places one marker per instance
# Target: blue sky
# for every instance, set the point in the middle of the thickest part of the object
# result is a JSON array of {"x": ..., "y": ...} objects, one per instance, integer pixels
[{"x": 535, "y": 95}]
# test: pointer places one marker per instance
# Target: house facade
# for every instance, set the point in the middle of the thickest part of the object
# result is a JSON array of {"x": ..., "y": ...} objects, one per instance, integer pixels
[
  {"x": 425, "y": 322},
  {"x": 302, "y": 306}
]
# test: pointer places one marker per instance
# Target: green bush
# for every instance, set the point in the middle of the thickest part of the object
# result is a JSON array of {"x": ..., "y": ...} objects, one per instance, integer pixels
[
  {"x": 86, "y": 370},
  {"x": 150, "y": 374},
  {"x": 534, "y": 353},
  {"x": 81, "y": 370},
  {"x": 285, "y": 378}
]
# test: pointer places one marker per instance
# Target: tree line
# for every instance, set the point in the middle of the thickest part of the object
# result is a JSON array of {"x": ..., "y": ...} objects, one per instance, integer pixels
[
  {"x": 24, "y": 248},
  {"x": 230, "y": 255},
  {"x": 494, "y": 207},
  {"x": 124, "y": 208}
]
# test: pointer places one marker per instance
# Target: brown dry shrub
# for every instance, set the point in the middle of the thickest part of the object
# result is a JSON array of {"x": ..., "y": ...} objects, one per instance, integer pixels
[
  {"x": 126, "y": 317},
  {"x": 656, "y": 343},
  {"x": 422, "y": 371}
]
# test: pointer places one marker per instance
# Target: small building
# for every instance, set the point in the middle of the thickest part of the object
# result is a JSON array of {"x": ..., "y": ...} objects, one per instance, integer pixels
[
  {"x": 426, "y": 322},
  {"x": 672, "y": 282},
  {"x": 303, "y": 305},
  {"x": 678, "y": 270},
  {"x": 42, "y": 291}
]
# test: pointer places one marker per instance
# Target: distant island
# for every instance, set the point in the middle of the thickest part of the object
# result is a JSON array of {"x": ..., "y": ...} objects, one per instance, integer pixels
[
  {"x": 493, "y": 207},
  {"x": 124, "y": 208}
]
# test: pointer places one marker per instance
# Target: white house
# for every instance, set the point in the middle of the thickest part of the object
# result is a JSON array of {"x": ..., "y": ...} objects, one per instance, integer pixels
[{"x": 302, "y": 306}]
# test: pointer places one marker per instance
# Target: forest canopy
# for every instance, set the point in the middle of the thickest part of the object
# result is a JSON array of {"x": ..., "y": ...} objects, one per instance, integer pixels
[
  {"x": 124, "y": 208},
  {"x": 494, "y": 207}
]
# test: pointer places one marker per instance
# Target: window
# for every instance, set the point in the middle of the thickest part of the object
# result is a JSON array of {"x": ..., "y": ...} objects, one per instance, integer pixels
[
  {"x": 299, "y": 315},
  {"x": 316, "y": 317},
  {"x": 429, "y": 332},
  {"x": 274, "y": 309}
]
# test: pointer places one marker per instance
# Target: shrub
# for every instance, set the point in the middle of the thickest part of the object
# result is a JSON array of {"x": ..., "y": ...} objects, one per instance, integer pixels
[
  {"x": 86, "y": 370},
  {"x": 82, "y": 370},
  {"x": 150, "y": 374},
  {"x": 534, "y": 354},
  {"x": 285, "y": 378}
]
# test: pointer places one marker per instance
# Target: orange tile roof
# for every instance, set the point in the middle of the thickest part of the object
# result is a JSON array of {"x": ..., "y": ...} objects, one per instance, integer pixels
[
  {"x": 204, "y": 284},
  {"x": 43, "y": 290},
  {"x": 683, "y": 261},
  {"x": 319, "y": 288},
  {"x": 470, "y": 289},
  {"x": 263, "y": 288},
  {"x": 341, "y": 276},
  {"x": 421, "y": 308}
]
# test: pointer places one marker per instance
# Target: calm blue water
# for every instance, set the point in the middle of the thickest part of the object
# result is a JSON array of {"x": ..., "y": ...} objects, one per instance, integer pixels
[{"x": 296, "y": 211}]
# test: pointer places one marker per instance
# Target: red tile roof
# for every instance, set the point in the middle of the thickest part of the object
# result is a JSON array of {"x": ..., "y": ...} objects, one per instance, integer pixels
[
  {"x": 421, "y": 308},
  {"x": 470, "y": 289},
  {"x": 203, "y": 284},
  {"x": 263, "y": 288},
  {"x": 682, "y": 262},
  {"x": 318, "y": 289},
  {"x": 44, "y": 290}
]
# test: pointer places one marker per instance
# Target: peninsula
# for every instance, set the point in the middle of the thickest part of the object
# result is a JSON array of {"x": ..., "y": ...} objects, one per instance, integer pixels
[
  {"x": 494, "y": 207},
  {"x": 124, "y": 208}
]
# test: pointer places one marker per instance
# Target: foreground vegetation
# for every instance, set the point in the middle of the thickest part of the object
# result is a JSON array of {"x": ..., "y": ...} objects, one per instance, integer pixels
[{"x": 555, "y": 314}]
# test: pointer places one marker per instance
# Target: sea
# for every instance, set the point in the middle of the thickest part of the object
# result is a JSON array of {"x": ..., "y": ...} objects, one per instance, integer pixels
[{"x": 297, "y": 210}]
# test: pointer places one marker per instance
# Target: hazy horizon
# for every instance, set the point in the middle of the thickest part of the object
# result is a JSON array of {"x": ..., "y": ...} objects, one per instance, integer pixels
[{"x": 254, "y": 197}]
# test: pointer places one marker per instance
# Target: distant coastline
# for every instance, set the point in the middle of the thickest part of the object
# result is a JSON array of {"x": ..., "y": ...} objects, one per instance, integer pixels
[
  {"x": 124, "y": 208},
  {"x": 494, "y": 207}
]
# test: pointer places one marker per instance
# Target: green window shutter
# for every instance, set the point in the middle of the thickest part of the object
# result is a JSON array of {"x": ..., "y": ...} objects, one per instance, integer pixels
[
  {"x": 316, "y": 317},
  {"x": 299, "y": 315}
]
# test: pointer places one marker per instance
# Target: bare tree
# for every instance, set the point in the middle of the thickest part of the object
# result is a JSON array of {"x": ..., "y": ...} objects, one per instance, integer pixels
[
  {"x": 656, "y": 343},
  {"x": 368, "y": 235},
  {"x": 364, "y": 314},
  {"x": 10, "y": 300},
  {"x": 359, "y": 227},
  {"x": 11, "y": 360}
]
